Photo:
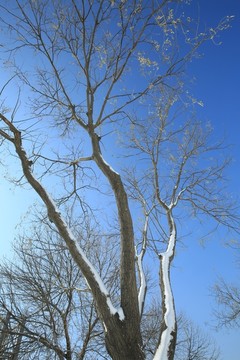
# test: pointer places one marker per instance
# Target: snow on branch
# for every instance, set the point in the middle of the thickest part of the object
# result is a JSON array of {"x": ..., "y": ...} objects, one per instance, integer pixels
[
  {"x": 142, "y": 278},
  {"x": 167, "y": 336},
  {"x": 90, "y": 273}
]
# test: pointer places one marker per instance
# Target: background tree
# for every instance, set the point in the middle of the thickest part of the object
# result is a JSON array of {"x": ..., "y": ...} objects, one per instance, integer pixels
[
  {"x": 45, "y": 294},
  {"x": 47, "y": 310},
  {"x": 9, "y": 342},
  {"x": 193, "y": 343},
  {"x": 227, "y": 296},
  {"x": 101, "y": 68}
]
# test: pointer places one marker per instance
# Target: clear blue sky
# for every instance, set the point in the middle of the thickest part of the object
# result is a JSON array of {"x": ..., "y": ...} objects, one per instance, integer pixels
[
  {"x": 218, "y": 86},
  {"x": 196, "y": 268}
]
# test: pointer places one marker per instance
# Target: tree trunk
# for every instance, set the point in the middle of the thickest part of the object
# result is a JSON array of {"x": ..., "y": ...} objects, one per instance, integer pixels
[{"x": 123, "y": 343}]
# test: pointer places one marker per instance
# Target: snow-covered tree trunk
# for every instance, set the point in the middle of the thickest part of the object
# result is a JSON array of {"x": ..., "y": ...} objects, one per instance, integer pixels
[
  {"x": 122, "y": 326},
  {"x": 168, "y": 335},
  {"x": 92, "y": 76}
]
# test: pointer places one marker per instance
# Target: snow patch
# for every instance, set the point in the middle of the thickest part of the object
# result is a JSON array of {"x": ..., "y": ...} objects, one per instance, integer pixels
[
  {"x": 104, "y": 325},
  {"x": 121, "y": 314}
]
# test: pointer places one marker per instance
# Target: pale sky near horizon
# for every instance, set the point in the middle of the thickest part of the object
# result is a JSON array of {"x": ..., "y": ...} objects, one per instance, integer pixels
[{"x": 197, "y": 267}]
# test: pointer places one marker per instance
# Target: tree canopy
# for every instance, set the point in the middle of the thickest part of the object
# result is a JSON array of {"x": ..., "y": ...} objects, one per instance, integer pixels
[{"x": 104, "y": 128}]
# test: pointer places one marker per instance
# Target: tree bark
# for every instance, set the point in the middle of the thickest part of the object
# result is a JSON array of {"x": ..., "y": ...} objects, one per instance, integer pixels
[
  {"x": 122, "y": 344},
  {"x": 122, "y": 336},
  {"x": 124, "y": 341},
  {"x": 168, "y": 331}
]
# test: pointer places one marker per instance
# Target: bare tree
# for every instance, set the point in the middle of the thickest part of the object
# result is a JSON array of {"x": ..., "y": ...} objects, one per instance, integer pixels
[
  {"x": 47, "y": 310},
  {"x": 46, "y": 298},
  {"x": 227, "y": 296},
  {"x": 228, "y": 301},
  {"x": 11, "y": 336},
  {"x": 173, "y": 187},
  {"x": 194, "y": 344},
  {"x": 95, "y": 70}
]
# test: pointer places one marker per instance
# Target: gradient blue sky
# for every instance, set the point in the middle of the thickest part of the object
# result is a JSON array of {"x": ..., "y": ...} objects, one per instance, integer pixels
[
  {"x": 218, "y": 86},
  {"x": 197, "y": 267}
]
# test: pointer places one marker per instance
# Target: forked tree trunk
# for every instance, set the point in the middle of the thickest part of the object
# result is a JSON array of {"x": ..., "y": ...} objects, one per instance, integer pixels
[{"x": 124, "y": 343}]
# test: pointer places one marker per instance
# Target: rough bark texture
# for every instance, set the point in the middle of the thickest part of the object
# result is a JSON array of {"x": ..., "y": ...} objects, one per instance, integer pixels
[
  {"x": 168, "y": 331},
  {"x": 124, "y": 340},
  {"x": 121, "y": 344},
  {"x": 123, "y": 337}
]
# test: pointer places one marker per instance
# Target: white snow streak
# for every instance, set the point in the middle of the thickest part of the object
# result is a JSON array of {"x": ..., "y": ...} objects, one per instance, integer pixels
[
  {"x": 120, "y": 314},
  {"x": 104, "y": 161},
  {"x": 101, "y": 285},
  {"x": 143, "y": 285},
  {"x": 169, "y": 317},
  {"x": 104, "y": 325}
]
